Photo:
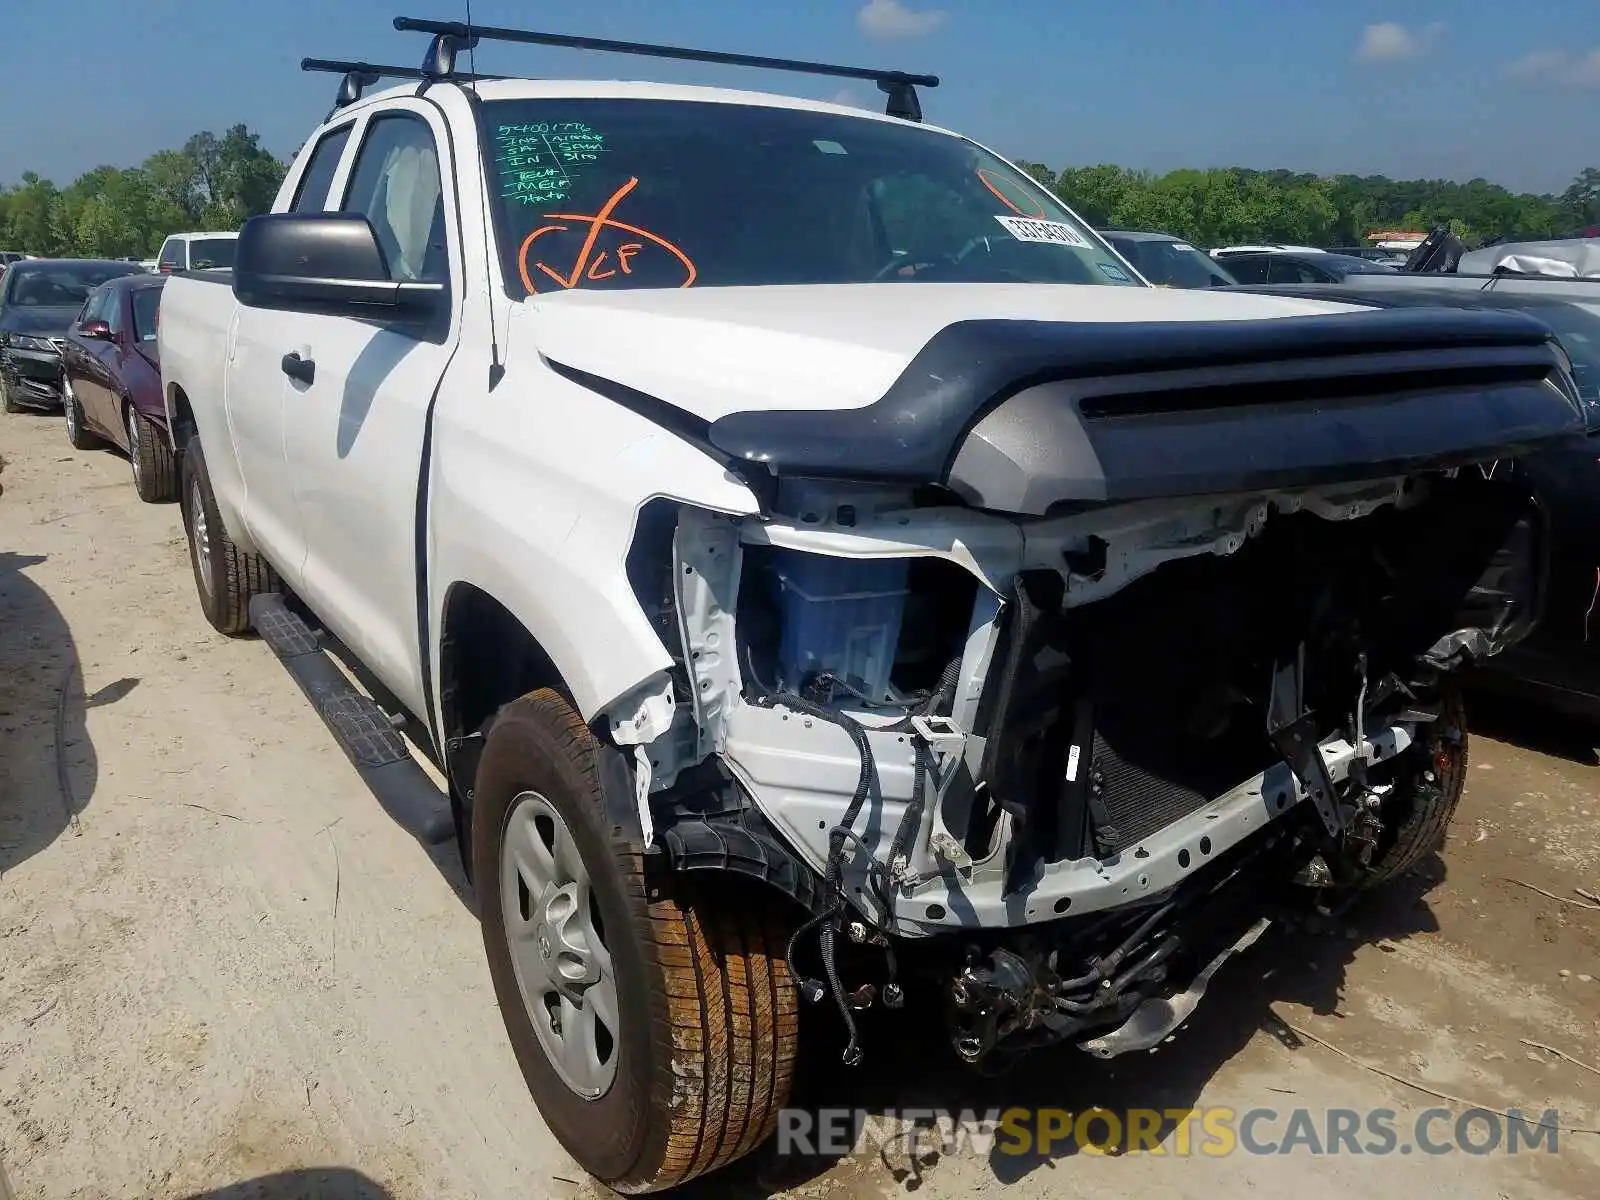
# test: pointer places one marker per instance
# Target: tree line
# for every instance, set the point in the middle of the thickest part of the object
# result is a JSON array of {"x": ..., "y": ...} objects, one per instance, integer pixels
[
  {"x": 211, "y": 182},
  {"x": 217, "y": 182},
  {"x": 1234, "y": 205}
]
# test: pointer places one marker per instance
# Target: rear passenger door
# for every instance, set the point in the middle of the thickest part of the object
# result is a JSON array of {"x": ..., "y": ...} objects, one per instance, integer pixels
[{"x": 354, "y": 435}]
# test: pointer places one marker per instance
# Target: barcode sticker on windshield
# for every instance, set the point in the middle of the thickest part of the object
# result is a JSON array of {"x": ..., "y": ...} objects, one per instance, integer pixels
[{"x": 1055, "y": 233}]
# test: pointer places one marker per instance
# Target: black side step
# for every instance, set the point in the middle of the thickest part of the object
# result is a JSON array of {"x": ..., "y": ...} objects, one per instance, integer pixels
[{"x": 375, "y": 747}]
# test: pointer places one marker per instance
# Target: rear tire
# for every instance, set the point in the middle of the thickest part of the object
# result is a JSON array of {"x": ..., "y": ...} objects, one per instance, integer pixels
[
  {"x": 78, "y": 435},
  {"x": 155, "y": 466},
  {"x": 702, "y": 1058},
  {"x": 225, "y": 576}
]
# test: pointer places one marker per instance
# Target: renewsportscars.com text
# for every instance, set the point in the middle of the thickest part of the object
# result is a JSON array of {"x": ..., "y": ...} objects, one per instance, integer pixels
[{"x": 1214, "y": 1132}]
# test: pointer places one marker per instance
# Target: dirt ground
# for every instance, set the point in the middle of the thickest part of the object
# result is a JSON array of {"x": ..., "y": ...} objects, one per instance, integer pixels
[{"x": 223, "y": 970}]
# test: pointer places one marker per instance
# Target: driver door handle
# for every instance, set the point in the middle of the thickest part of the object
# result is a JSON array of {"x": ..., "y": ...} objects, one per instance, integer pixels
[{"x": 303, "y": 369}]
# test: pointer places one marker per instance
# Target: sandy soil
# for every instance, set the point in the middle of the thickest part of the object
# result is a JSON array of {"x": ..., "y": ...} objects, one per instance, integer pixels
[{"x": 224, "y": 971}]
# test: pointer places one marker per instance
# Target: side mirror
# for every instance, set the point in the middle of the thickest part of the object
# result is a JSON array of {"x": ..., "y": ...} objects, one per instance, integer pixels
[
  {"x": 99, "y": 330},
  {"x": 328, "y": 263}
]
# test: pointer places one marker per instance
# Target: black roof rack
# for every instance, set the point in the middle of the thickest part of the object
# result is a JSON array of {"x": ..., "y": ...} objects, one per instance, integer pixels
[
  {"x": 450, "y": 36},
  {"x": 358, "y": 76}
]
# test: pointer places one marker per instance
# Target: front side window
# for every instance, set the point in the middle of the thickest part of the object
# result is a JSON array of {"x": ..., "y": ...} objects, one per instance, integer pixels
[
  {"x": 396, "y": 185},
  {"x": 668, "y": 193}
]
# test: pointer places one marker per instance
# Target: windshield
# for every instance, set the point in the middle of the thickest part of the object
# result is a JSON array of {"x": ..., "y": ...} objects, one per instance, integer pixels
[
  {"x": 208, "y": 253},
  {"x": 1172, "y": 264},
  {"x": 146, "y": 309},
  {"x": 1342, "y": 265},
  {"x": 670, "y": 193},
  {"x": 59, "y": 285}
]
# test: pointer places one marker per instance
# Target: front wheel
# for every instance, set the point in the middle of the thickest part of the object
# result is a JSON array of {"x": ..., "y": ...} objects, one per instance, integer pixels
[
  {"x": 225, "y": 576},
  {"x": 1425, "y": 808},
  {"x": 656, "y": 1029},
  {"x": 155, "y": 467}
]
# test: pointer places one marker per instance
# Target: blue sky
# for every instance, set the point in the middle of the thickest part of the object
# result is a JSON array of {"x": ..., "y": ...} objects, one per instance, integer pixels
[{"x": 1404, "y": 87}]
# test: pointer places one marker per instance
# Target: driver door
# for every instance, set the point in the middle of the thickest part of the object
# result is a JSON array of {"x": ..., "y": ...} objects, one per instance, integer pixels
[{"x": 354, "y": 431}]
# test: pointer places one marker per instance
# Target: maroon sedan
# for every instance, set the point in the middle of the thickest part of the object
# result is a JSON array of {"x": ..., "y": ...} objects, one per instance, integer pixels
[{"x": 112, "y": 372}]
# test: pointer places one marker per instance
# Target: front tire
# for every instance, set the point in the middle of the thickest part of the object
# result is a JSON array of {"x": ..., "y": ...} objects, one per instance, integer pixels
[
  {"x": 155, "y": 467},
  {"x": 1420, "y": 828},
  {"x": 225, "y": 576},
  {"x": 701, "y": 1056}
]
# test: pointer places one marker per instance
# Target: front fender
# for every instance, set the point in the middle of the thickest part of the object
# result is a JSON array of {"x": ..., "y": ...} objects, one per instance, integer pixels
[{"x": 537, "y": 488}]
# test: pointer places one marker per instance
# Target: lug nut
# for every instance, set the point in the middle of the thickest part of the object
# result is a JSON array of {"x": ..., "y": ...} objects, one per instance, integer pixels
[
  {"x": 894, "y": 996},
  {"x": 856, "y": 931}
]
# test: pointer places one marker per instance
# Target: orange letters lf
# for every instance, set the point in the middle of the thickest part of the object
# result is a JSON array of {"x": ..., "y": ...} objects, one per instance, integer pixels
[{"x": 594, "y": 265}]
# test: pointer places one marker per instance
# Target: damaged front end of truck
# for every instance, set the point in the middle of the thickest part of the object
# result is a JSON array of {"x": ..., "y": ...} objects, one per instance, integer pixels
[{"x": 1037, "y": 675}]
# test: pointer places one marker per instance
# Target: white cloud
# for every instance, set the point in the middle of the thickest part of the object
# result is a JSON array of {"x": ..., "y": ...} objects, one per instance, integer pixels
[
  {"x": 1558, "y": 67},
  {"x": 1390, "y": 41},
  {"x": 891, "y": 19}
]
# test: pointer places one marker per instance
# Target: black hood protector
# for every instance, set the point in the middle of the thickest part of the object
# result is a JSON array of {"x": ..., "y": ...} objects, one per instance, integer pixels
[{"x": 1020, "y": 416}]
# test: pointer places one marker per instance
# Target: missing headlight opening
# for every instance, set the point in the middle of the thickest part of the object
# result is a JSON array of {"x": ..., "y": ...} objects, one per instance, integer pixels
[{"x": 1086, "y": 748}]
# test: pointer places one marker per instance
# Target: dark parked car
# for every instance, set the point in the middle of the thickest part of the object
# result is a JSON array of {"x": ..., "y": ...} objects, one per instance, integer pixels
[
  {"x": 1277, "y": 266},
  {"x": 1558, "y": 665},
  {"x": 1168, "y": 261},
  {"x": 39, "y": 299},
  {"x": 112, "y": 390}
]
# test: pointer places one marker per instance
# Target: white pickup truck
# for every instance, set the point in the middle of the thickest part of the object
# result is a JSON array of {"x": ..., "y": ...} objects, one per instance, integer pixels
[{"x": 824, "y": 570}]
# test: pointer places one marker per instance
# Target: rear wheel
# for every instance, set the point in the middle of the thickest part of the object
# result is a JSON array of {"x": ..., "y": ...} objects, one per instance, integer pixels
[
  {"x": 155, "y": 467},
  {"x": 225, "y": 576},
  {"x": 656, "y": 1029}
]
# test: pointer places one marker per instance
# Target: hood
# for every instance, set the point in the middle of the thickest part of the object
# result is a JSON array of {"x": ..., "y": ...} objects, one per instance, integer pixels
[
  {"x": 715, "y": 351},
  {"x": 38, "y": 322}
]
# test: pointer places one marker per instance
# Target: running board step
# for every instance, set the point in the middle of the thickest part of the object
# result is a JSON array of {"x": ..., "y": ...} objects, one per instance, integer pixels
[{"x": 372, "y": 743}]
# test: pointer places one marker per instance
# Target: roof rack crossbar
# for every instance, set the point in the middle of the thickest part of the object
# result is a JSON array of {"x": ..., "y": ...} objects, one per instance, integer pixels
[
  {"x": 358, "y": 76},
  {"x": 900, "y": 86}
]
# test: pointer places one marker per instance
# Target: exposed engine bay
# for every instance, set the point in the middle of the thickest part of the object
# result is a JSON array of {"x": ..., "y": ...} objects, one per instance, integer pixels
[{"x": 1073, "y": 746}]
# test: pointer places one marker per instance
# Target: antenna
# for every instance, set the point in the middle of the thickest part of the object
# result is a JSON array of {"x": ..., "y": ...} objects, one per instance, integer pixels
[
  {"x": 899, "y": 86},
  {"x": 497, "y": 369}
]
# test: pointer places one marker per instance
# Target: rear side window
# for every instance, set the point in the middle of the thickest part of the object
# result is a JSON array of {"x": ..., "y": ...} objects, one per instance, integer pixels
[
  {"x": 312, "y": 193},
  {"x": 172, "y": 255}
]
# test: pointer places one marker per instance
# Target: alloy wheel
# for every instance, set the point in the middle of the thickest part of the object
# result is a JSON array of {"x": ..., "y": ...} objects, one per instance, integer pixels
[{"x": 557, "y": 942}]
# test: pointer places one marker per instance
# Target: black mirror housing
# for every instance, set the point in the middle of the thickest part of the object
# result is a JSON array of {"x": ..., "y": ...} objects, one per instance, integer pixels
[{"x": 328, "y": 263}]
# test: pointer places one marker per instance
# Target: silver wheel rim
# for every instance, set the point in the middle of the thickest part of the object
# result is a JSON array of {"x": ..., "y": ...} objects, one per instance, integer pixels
[
  {"x": 201, "y": 535},
  {"x": 558, "y": 949},
  {"x": 133, "y": 446},
  {"x": 69, "y": 406}
]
